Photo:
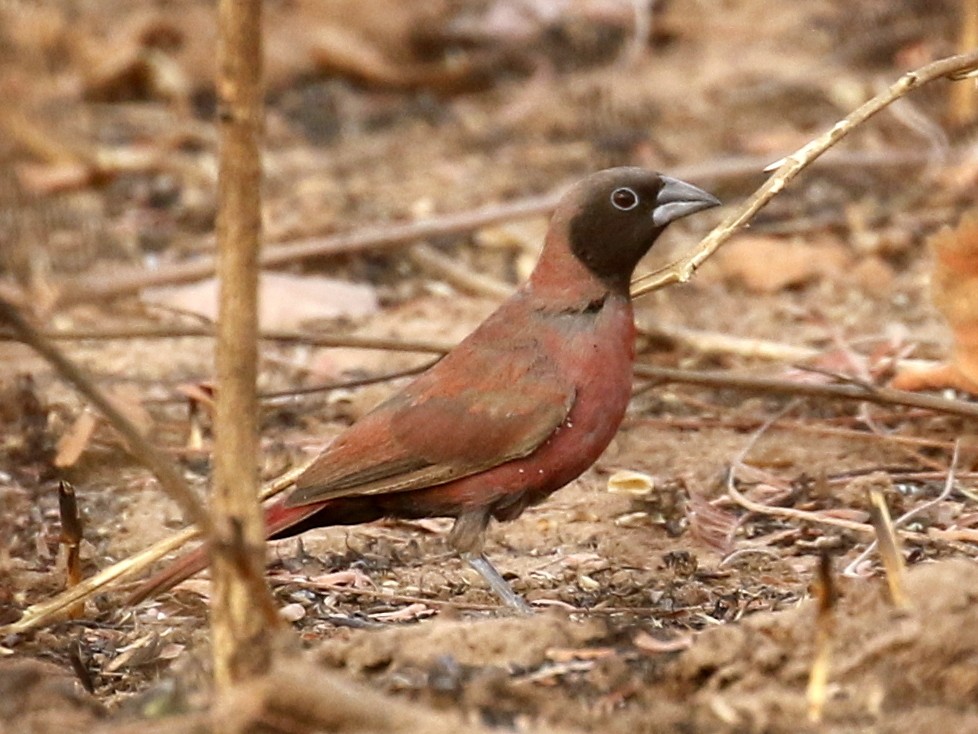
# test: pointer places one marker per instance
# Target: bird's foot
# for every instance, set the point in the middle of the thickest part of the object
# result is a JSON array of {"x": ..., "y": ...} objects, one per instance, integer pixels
[{"x": 497, "y": 583}]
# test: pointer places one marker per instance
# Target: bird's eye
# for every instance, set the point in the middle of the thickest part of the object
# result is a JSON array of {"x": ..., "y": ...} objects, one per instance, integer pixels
[{"x": 624, "y": 199}]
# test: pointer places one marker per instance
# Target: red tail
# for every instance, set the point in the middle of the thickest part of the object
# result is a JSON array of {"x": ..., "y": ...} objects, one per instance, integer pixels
[{"x": 278, "y": 517}]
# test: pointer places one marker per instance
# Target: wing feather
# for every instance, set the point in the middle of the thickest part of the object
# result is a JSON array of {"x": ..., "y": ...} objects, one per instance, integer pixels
[{"x": 474, "y": 410}]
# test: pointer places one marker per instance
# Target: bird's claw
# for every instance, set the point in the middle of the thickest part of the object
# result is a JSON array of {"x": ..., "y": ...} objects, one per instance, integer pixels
[{"x": 498, "y": 584}]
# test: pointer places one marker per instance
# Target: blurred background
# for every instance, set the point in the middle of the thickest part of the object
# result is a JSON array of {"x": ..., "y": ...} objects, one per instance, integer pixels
[{"x": 386, "y": 112}]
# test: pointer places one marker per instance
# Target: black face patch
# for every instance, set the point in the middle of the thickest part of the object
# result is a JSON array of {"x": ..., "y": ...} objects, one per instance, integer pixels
[
  {"x": 614, "y": 228},
  {"x": 620, "y": 213}
]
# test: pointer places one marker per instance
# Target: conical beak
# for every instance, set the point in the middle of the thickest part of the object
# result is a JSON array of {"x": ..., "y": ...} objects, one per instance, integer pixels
[{"x": 678, "y": 199}]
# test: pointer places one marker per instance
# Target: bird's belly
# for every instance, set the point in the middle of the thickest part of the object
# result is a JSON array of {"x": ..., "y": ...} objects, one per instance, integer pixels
[
  {"x": 603, "y": 367},
  {"x": 599, "y": 362}
]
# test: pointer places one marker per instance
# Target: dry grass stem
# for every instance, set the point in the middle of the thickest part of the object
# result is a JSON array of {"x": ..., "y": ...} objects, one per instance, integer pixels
[
  {"x": 70, "y": 539},
  {"x": 851, "y": 391},
  {"x": 826, "y": 596},
  {"x": 788, "y": 168},
  {"x": 243, "y": 613},
  {"x": 853, "y": 568},
  {"x": 889, "y": 546},
  {"x": 463, "y": 279},
  {"x": 53, "y": 609},
  {"x": 963, "y": 100},
  {"x": 158, "y": 463}
]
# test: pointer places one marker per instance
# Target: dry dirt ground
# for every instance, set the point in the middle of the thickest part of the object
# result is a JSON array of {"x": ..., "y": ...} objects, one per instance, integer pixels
[{"x": 669, "y": 607}]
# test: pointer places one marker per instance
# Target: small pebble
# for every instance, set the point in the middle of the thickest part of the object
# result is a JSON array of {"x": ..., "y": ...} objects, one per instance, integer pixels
[{"x": 292, "y": 612}]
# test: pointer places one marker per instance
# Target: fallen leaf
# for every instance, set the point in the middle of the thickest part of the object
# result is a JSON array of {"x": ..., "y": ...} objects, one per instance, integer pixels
[
  {"x": 351, "y": 578},
  {"x": 771, "y": 264},
  {"x": 73, "y": 443},
  {"x": 171, "y": 651},
  {"x": 144, "y": 650},
  {"x": 292, "y": 612},
  {"x": 954, "y": 291},
  {"x": 75, "y": 440},
  {"x": 286, "y": 301}
]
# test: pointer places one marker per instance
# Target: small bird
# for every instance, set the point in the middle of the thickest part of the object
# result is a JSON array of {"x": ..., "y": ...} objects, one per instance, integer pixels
[{"x": 522, "y": 406}]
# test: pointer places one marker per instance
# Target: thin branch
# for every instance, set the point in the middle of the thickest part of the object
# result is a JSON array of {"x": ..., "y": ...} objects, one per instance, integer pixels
[
  {"x": 747, "y": 423},
  {"x": 162, "y": 468},
  {"x": 441, "y": 266},
  {"x": 827, "y": 596},
  {"x": 852, "y": 569},
  {"x": 372, "y": 239},
  {"x": 963, "y": 101},
  {"x": 682, "y": 270},
  {"x": 126, "y": 333},
  {"x": 51, "y": 609},
  {"x": 380, "y": 238},
  {"x": 345, "y": 384},
  {"x": 868, "y": 393},
  {"x": 715, "y": 342}
]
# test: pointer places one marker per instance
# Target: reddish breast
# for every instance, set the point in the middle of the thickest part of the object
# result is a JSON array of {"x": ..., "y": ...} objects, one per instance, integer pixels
[
  {"x": 595, "y": 351},
  {"x": 599, "y": 358}
]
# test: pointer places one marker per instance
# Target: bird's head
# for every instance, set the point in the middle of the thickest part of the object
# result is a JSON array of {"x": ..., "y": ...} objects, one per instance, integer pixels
[{"x": 611, "y": 219}]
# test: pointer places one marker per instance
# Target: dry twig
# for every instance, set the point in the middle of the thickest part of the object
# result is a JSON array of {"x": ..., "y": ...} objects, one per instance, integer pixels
[
  {"x": 366, "y": 240},
  {"x": 889, "y": 546},
  {"x": 852, "y": 391},
  {"x": 788, "y": 168},
  {"x": 853, "y": 568},
  {"x": 71, "y": 537},
  {"x": 275, "y": 335},
  {"x": 963, "y": 101},
  {"x": 826, "y": 595},
  {"x": 49, "y": 610},
  {"x": 169, "y": 478},
  {"x": 243, "y": 614},
  {"x": 468, "y": 281}
]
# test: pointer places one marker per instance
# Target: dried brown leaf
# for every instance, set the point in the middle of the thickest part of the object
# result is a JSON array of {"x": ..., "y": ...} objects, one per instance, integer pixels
[
  {"x": 709, "y": 525},
  {"x": 954, "y": 291},
  {"x": 771, "y": 264},
  {"x": 74, "y": 442},
  {"x": 287, "y": 301}
]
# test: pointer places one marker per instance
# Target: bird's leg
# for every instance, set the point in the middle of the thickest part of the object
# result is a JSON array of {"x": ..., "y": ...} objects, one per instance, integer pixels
[
  {"x": 467, "y": 536},
  {"x": 497, "y": 583}
]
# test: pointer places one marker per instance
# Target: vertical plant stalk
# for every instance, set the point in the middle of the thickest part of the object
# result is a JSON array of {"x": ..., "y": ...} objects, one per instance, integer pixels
[
  {"x": 242, "y": 609},
  {"x": 170, "y": 479},
  {"x": 826, "y": 596},
  {"x": 963, "y": 102},
  {"x": 70, "y": 539}
]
